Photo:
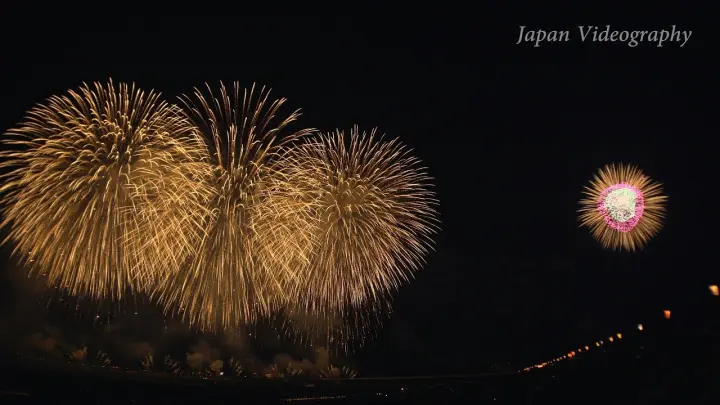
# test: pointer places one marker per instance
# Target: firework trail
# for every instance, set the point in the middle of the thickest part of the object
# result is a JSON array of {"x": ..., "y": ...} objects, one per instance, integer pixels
[
  {"x": 341, "y": 331},
  {"x": 79, "y": 167},
  {"x": 360, "y": 213},
  {"x": 223, "y": 284},
  {"x": 623, "y": 207}
]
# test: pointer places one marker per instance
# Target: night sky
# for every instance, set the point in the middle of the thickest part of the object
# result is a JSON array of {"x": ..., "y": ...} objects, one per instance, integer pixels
[{"x": 511, "y": 133}]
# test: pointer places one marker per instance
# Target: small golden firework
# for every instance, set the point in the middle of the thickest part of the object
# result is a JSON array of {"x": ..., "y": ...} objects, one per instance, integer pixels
[
  {"x": 81, "y": 165},
  {"x": 623, "y": 207},
  {"x": 223, "y": 282}
]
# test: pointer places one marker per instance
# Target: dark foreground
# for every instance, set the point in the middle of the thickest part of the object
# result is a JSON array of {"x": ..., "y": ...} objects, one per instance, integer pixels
[
  {"x": 107, "y": 388},
  {"x": 610, "y": 378},
  {"x": 673, "y": 361}
]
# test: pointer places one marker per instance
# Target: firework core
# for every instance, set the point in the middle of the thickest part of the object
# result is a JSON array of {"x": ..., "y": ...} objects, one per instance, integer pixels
[{"x": 622, "y": 206}]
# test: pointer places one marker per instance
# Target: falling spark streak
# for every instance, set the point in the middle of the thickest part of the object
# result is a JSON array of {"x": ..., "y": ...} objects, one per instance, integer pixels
[
  {"x": 81, "y": 165},
  {"x": 224, "y": 282},
  {"x": 337, "y": 332},
  {"x": 359, "y": 215},
  {"x": 623, "y": 207}
]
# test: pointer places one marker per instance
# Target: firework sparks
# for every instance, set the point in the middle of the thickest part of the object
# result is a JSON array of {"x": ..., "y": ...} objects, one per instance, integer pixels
[
  {"x": 346, "y": 331},
  {"x": 622, "y": 207},
  {"x": 222, "y": 284},
  {"x": 293, "y": 371},
  {"x": 216, "y": 367},
  {"x": 80, "y": 165},
  {"x": 102, "y": 359},
  {"x": 80, "y": 354},
  {"x": 332, "y": 372},
  {"x": 271, "y": 371},
  {"x": 171, "y": 365},
  {"x": 236, "y": 367},
  {"x": 147, "y": 362},
  {"x": 359, "y": 211}
]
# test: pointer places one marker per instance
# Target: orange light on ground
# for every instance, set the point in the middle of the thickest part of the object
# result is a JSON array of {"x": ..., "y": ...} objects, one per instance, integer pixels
[
  {"x": 587, "y": 347},
  {"x": 640, "y": 327},
  {"x": 714, "y": 290},
  {"x": 667, "y": 313},
  {"x": 597, "y": 344},
  {"x": 611, "y": 339},
  {"x": 619, "y": 335},
  {"x": 579, "y": 349}
]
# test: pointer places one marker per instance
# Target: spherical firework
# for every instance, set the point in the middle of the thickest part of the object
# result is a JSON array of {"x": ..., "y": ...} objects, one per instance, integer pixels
[
  {"x": 223, "y": 283},
  {"x": 80, "y": 165},
  {"x": 622, "y": 207},
  {"x": 360, "y": 211}
]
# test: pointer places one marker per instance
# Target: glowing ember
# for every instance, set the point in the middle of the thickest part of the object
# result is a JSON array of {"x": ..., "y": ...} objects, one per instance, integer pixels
[{"x": 621, "y": 206}]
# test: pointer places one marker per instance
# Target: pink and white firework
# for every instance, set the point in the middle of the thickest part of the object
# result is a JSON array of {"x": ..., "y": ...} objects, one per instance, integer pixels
[{"x": 622, "y": 207}]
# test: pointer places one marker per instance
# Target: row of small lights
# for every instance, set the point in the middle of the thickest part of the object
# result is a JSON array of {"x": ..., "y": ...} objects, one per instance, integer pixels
[{"x": 666, "y": 313}]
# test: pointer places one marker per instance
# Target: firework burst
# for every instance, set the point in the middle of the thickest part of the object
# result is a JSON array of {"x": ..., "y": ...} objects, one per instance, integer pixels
[
  {"x": 236, "y": 367},
  {"x": 223, "y": 283},
  {"x": 171, "y": 365},
  {"x": 79, "y": 167},
  {"x": 332, "y": 372},
  {"x": 102, "y": 359},
  {"x": 359, "y": 213},
  {"x": 623, "y": 207}
]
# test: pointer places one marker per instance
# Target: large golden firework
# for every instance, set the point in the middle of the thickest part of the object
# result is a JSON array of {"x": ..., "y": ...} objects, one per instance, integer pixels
[
  {"x": 223, "y": 283},
  {"x": 79, "y": 166},
  {"x": 622, "y": 207},
  {"x": 361, "y": 212}
]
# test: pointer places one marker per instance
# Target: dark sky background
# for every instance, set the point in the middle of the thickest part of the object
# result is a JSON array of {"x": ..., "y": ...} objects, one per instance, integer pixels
[{"x": 511, "y": 134}]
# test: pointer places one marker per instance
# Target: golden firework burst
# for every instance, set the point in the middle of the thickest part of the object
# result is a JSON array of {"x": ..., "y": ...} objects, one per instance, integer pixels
[
  {"x": 223, "y": 282},
  {"x": 358, "y": 209},
  {"x": 623, "y": 207},
  {"x": 79, "y": 167}
]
